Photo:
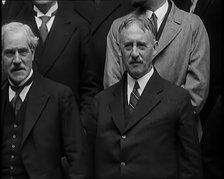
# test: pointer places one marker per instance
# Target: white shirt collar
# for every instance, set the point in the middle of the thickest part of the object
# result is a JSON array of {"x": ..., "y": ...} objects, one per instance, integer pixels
[
  {"x": 49, "y": 12},
  {"x": 160, "y": 13},
  {"x": 141, "y": 81}
]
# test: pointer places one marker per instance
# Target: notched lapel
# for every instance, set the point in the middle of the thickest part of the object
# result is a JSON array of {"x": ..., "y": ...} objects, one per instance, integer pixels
[
  {"x": 170, "y": 31},
  {"x": 4, "y": 96},
  {"x": 86, "y": 9},
  {"x": 37, "y": 100},
  {"x": 117, "y": 107},
  {"x": 149, "y": 99},
  {"x": 104, "y": 9},
  {"x": 56, "y": 41}
]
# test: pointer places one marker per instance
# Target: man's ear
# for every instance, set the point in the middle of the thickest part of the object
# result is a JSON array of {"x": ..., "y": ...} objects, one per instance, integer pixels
[
  {"x": 155, "y": 46},
  {"x": 119, "y": 49},
  {"x": 33, "y": 54}
]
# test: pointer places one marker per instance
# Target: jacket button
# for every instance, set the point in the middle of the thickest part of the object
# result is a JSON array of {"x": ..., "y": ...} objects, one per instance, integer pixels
[
  {"x": 123, "y": 136},
  {"x": 123, "y": 164}
]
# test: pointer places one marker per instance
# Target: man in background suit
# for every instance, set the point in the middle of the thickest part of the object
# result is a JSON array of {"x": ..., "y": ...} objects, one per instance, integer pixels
[
  {"x": 211, "y": 115},
  {"x": 66, "y": 54},
  {"x": 100, "y": 14},
  {"x": 39, "y": 118},
  {"x": 10, "y": 9},
  {"x": 183, "y": 52},
  {"x": 143, "y": 132}
]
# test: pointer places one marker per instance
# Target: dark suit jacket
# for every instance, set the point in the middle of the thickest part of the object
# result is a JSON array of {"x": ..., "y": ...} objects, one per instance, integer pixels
[
  {"x": 100, "y": 16},
  {"x": 159, "y": 141},
  {"x": 52, "y": 129},
  {"x": 67, "y": 55},
  {"x": 10, "y": 10},
  {"x": 211, "y": 115},
  {"x": 210, "y": 13}
]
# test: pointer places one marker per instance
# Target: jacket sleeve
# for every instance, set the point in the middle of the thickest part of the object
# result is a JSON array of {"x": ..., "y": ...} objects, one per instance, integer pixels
[
  {"x": 74, "y": 140},
  {"x": 189, "y": 155},
  {"x": 197, "y": 77}
]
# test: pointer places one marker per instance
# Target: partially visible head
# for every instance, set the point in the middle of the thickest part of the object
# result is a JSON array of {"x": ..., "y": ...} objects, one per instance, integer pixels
[
  {"x": 44, "y": 1},
  {"x": 152, "y": 5},
  {"x": 18, "y": 49},
  {"x": 138, "y": 3},
  {"x": 44, "y": 5},
  {"x": 137, "y": 45}
]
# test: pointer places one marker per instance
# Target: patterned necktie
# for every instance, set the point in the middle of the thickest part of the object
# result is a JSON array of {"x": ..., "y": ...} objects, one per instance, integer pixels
[
  {"x": 16, "y": 100},
  {"x": 43, "y": 28},
  {"x": 154, "y": 22},
  {"x": 134, "y": 97}
]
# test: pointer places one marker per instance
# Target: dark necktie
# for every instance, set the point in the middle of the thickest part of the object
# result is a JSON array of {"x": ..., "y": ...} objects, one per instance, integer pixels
[
  {"x": 154, "y": 22},
  {"x": 134, "y": 97},
  {"x": 17, "y": 101},
  {"x": 43, "y": 28}
]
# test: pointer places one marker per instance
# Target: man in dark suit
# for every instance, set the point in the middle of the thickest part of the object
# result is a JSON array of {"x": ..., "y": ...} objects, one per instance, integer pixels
[
  {"x": 100, "y": 14},
  {"x": 39, "y": 118},
  {"x": 210, "y": 11},
  {"x": 143, "y": 126},
  {"x": 65, "y": 54}
]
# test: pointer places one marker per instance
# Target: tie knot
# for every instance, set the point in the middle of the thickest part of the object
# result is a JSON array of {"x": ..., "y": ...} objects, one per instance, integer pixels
[
  {"x": 136, "y": 86},
  {"x": 17, "y": 89},
  {"x": 153, "y": 16},
  {"x": 45, "y": 19}
]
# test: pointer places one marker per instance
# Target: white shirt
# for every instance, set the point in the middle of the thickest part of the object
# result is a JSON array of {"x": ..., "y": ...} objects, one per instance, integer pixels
[
  {"x": 160, "y": 13},
  {"x": 141, "y": 81},
  {"x": 3, "y": 2},
  {"x": 193, "y": 5},
  {"x": 49, "y": 12},
  {"x": 25, "y": 90}
]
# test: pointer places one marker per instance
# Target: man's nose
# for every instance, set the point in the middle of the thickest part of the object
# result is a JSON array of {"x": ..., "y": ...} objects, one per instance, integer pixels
[
  {"x": 16, "y": 58},
  {"x": 135, "y": 52}
]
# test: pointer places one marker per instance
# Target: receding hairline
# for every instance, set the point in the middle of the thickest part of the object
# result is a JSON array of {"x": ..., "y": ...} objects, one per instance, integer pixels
[{"x": 17, "y": 27}]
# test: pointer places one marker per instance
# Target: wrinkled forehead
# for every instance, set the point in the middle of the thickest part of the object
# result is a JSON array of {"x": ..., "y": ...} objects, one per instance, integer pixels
[
  {"x": 15, "y": 39},
  {"x": 135, "y": 31}
]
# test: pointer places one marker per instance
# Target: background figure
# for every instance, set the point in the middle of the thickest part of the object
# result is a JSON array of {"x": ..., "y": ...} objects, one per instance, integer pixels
[
  {"x": 100, "y": 14},
  {"x": 39, "y": 118},
  {"x": 65, "y": 54},
  {"x": 10, "y": 9},
  {"x": 183, "y": 52},
  {"x": 143, "y": 126},
  {"x": 211, "y": 145}
]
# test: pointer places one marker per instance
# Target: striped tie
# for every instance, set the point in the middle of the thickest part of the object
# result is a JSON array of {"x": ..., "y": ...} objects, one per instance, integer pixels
[
  {"x": 134, "y": 97},
  {"x": 154, "y": 22}
]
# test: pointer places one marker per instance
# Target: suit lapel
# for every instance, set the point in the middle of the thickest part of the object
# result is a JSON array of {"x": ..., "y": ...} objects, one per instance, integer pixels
[
  {"x": 4, "y": 95},
  {"x": 103, "y": 10},
  {"x": 170, "y": 31},
  {"x": 149, "y": 99},
  {"x": 37, "y": 99},
  {"x": 117, "y": 104},
  {"x": 57, "y": 39},
  {"x": 86, "y": 9}
]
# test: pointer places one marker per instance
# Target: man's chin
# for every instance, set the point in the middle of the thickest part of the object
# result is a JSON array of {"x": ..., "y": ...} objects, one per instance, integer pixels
[
  {"x": 17, "y": 78},
  {"x": 138, "y": 3}
]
